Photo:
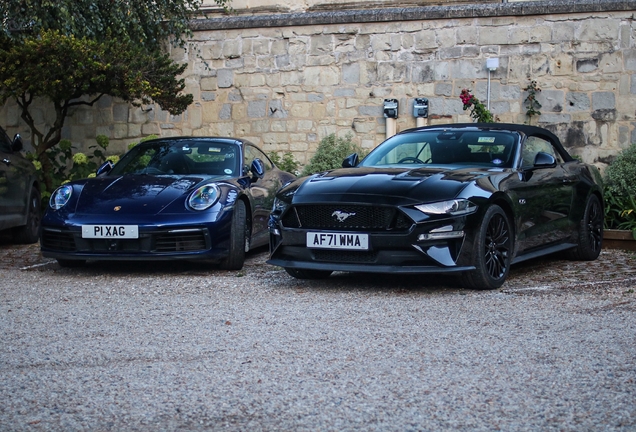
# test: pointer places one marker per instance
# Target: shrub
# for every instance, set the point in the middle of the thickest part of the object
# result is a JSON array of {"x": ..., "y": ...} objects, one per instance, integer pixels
[
  {"x": 286, "y": 162},
  {"x": 477, "y": 109},
  {"x": 330, "y": 154},
  {"x": 620, "y": 191}
]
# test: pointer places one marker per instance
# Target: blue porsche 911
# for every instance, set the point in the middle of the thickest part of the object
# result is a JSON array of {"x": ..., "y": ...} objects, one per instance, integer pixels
[{"x": 168, "y": 198}]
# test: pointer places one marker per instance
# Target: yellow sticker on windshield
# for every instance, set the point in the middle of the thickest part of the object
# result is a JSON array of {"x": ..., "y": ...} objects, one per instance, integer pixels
[{"x": 486, "y": 140}]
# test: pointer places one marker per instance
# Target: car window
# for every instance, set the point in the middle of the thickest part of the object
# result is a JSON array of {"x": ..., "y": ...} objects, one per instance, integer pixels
[
  {"x": 534, "y": 145},
  {"x": 5, "y": 142},
  {"x": 252, "y": 153}
]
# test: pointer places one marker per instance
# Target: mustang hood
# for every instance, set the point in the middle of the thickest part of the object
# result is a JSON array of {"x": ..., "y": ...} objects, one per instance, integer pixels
[
  {"x": 390, "y": 185},
  {"x": 134, "y": 194}
]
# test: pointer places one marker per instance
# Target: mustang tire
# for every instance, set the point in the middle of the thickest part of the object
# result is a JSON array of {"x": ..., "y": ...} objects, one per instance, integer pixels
[
  {"x": 308, "y": 274},
  {"x": 590, "y": 232},
  {"x": 239, "y": 239},
  {"x": 492, "y": 249},
  {"x": 29, "y": 233}
]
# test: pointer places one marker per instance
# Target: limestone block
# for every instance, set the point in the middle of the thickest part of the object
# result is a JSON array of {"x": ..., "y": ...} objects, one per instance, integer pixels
[
  {"x": 551, "y": 100},
  {"x": 121, "y": 130},
  {"x": 391, "y": 72},
  {"x": 351, "y": 73},
  {"x": 134, "y": 130},
  {"x": 493, "y": 35},
  {"x": 208, "y": 96},
  {"x": 208, "y": 83},
  {"x": 425, "y": 40},
  {"x": 598, "y": 29},
  {"x": 213, "y": 51},
  {"x": 611, "y": 63},
  {"x": 321, "y": 44},
  {"x": 120, "y": 112},
  {"x": 298, "y": 143},
  {"x": 232, "y": 48},
  {"x": 305, "y": 125},
  {"x": 301, "y": 110},
  {"x": 561, "y": 64},
  {"x": 292, "y": 78},
  {"x": 444, "y": 89},
  {"x": 239, "y": 112},
  {"x": 225, "y": 78},
  {"x": 603, "y": 100},
  {"x": 466, "y": 33},
  {"x": 276, "y": 109}
]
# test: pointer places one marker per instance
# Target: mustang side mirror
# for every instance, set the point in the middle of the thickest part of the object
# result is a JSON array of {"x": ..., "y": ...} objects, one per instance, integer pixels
[
  {"x": 350, "y": 161},
  {"x": 105, "y": 168},
  {"x": 258, "y": 169},
  {"x": 544, "y": 160},
  {"x": 17, "y": 144}
]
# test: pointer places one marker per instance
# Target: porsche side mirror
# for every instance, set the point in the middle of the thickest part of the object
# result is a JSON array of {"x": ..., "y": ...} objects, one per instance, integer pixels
[
  {"x": 258, "y": 169},
  {"x": 544, "y": 160},
  {"x": 105, "y": 168},
  {"x": 17, "y": 144},
  {"x": 350, "y": 161}
]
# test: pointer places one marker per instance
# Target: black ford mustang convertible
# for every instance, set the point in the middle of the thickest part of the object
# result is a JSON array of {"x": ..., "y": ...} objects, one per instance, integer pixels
[{"x": 469, "y": 199}]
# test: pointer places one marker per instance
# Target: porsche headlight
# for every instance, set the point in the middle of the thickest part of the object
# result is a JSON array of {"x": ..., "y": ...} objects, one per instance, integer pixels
[
  {"x": 60, "y": 197},
  {"x": 204, "y": 197},
  {"x": 454, "y": 207}
]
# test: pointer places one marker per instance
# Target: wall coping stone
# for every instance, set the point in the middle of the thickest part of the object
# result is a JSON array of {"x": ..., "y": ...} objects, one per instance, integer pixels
[{"x": 547, "y": 7}]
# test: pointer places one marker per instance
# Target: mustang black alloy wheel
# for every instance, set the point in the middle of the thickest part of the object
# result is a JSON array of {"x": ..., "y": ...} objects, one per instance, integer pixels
[
  {"x": 492, "y": 249},
  {"x": 590, "y": 232},
  {"x": 239, "y": 239}
]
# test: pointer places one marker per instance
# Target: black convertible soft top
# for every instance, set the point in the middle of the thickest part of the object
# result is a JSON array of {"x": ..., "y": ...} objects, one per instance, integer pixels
[{"x": 521, "y": 128}]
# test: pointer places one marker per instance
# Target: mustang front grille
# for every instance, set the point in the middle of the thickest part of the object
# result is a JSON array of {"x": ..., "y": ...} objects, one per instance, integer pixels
[{"x": 346, "y": 218}]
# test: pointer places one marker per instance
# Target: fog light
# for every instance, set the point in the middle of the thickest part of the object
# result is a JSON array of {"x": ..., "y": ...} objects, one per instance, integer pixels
[{"x": 441, "y": 235}]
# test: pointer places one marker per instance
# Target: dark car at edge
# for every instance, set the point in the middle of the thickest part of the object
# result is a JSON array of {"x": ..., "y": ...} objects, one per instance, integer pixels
[
  {"x": 19, "y": 192},
  {"x": 462, "y": 199}
]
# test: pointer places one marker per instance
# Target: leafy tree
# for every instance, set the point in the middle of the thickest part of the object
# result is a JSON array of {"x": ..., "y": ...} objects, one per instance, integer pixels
[{"x": 73, "y": 52}]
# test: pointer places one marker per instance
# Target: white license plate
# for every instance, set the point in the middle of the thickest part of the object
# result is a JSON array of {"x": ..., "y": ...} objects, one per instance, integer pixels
[
  {"x": 110, "y": 231},
  {"x": 318, "y": 240}
]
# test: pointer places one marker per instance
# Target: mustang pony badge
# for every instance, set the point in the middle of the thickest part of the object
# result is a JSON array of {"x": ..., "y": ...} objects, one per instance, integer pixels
[{"x": 342, "y": 216}]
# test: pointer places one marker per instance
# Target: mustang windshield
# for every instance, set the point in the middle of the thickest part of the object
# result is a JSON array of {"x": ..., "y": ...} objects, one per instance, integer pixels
[
  {"x": 455, "y": 147},
  {"x": 180, "y": 157}
]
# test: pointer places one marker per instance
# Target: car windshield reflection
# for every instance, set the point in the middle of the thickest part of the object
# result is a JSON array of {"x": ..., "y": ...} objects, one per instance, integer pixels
[
  {"x": 178, "y": 158},
  {"x": 473, "y": 148}
]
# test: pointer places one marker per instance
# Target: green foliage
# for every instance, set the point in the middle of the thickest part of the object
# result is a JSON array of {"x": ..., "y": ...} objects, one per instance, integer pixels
[
  {"x": 620, "y": 191},
  {"x": 532, "y": 104},
  {"x": 68, "y": 165},
  {"x": 70, "y": 72},
  {"x": 477, "y": 109},
  {"x": 330, "y": 154},
  {"x": 286, "y": 162},
  {"x": 143, "y": 22}
]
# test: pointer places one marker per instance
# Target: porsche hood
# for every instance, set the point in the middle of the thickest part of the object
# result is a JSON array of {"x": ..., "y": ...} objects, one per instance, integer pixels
[{"x": 133, "y": 194}]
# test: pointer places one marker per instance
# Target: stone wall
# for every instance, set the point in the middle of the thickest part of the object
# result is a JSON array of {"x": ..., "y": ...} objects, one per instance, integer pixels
[{"x": 287, "y": 81}]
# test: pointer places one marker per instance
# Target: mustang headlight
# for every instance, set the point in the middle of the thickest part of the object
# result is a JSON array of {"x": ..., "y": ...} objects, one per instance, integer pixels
[
  {"x": 204, "y": 197},
  {"x": 454, "y": 207},
  {"x": 60, "y": 197},
  {"x": 279, "y": 205}
]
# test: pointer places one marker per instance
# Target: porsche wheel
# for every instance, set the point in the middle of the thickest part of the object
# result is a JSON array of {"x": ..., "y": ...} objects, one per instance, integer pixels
[
  {"x": 308, "y": 274},
  {"x": 590, "y": 232},
  {"x": 239, "y": 239},
  {"x": 30, "y": 232},
  {"x": 492, "y": 249}
]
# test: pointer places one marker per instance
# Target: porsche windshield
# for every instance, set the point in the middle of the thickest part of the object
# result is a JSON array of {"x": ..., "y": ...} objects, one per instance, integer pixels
[
  {"x": 446, "y": 147},
  {"x": 180, "y": 158}
]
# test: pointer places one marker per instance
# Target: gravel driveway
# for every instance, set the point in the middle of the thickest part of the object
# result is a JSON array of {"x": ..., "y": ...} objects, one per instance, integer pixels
[{"x": 186, "y": 347}]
